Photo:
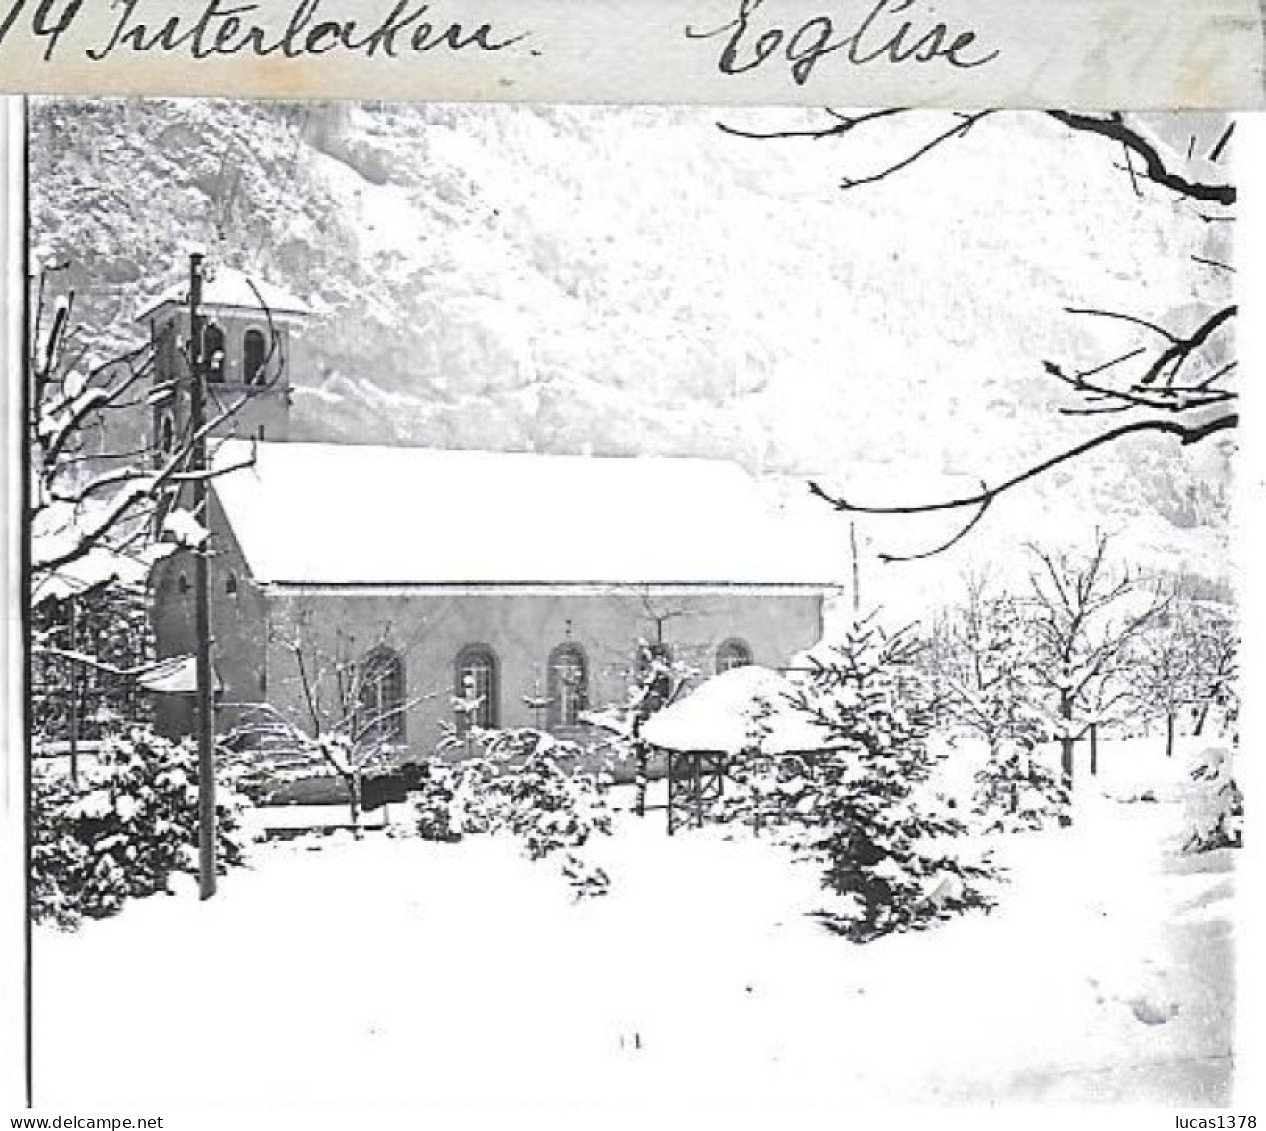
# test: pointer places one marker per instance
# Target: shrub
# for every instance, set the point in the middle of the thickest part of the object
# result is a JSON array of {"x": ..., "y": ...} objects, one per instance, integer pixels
[
  {"x": 1017, "y": 791},
  {"x": 435, "y": 803},
  {"x": 523, "y": 782},
  {"x": 1215, "y": 815},
  {"x": 129, "y": 823},
  {"x": 548, "y": 806}
]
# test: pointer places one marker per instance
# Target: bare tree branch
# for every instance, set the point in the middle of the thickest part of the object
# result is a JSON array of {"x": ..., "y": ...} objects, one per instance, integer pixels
[
  {"x": 842, "y": 124},
  {"x": 74, "y": 510},
  {"x": 1186, "y": 433},
  {"x": 1114, "y": 127}
]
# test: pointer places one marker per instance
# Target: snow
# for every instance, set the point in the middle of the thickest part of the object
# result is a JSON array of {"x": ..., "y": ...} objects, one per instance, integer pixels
[
  {"x": 57, "y": 530},
  {"x": 744, "y": 709},
  {"x": 174, "y": 675},
  {"x": 184, "y": 528},
  {"x": 393, "y": 971},
  {"x": 333, "y": 513}
]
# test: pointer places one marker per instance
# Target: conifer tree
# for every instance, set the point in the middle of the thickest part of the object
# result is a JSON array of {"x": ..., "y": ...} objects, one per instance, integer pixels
[{"x": 892, "y": 849}]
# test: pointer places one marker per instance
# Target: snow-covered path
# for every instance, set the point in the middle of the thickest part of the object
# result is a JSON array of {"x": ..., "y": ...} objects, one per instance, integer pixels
[{"x": 404, "y": 972}]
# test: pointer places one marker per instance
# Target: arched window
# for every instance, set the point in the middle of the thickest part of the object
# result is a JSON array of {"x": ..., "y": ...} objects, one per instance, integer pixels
[
  {"x": 568, "y": 685},
  {"x": 475, "y": 688},
  {"x": 213, "y": 352},
  {"x": 380, "y": 697},
  {"x": 254, "y": 355},
  {"x": 733, "y": 654}
]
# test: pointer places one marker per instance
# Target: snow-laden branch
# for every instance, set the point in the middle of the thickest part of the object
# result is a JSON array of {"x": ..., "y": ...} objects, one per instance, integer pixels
[{"x": 74, "y": 511}]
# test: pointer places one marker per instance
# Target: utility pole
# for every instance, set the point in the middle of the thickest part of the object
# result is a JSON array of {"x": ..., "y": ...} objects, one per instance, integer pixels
[
  {"x": 201, "y": 588},
  {"x": 857, "y": 571},
  {"x": 76, "y": 684}
]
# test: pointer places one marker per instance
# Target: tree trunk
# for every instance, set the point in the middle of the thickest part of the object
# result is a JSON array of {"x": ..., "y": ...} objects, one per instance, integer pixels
[
  {"x": 1013, "y": 800},
  {"x": 1169, "y": 735},
  {"x": 1066, "y": 744},
  {"x": 353, "y": 801},
  {"x": 1094, "y": 749},
  {"x": 75, "y": 686},
  {"x": 1202, "y": 718},
  {"x": 639, "y": 799}
]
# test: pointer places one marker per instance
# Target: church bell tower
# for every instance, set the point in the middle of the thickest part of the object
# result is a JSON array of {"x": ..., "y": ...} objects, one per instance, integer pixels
[{"x": 250, "y": 327}]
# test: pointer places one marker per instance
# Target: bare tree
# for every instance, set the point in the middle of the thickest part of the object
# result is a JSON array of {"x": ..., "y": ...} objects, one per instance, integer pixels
[
  {"x": 88, "y": 651},
  {"x": 1215, "y": 661},
  {"x": 1174, "y": 377},
  {"x": 1087, "y": 617},
  {"x": 353, "y": 702},
  {"x": 1165, "y": 673},
  {"x": 99, "y": 508},
  {"x": 979, "y": 654}
]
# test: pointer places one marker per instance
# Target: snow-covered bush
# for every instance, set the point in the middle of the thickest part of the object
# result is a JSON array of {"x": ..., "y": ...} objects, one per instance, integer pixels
[
  {"x": 130, "y": 823},
  {"x": 1017, "y": 791},
  {"x": 1215, "y": 809},
  {"x": 896, "y": 854},
  {"x": 435, "y": 806},
  {"x": 523, "y": 782},
  {"x": 766, "y": 791},
  {"x": 536, "y": 798}
]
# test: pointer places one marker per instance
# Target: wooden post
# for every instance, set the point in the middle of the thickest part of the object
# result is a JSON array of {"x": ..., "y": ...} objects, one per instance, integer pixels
[
  {"x": 696, "y": 767},
  {"x": 641, "y": 778},
  {"x": 671, "y": 772},
  {"x": 201, "y": 590}
]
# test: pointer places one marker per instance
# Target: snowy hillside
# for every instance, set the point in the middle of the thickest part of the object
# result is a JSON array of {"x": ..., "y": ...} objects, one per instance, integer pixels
[{"x": 634, "y": 280}]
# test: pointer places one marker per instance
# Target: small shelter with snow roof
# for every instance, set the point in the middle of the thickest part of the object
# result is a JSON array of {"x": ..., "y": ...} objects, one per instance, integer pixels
[{"x": 750, "y": 713}]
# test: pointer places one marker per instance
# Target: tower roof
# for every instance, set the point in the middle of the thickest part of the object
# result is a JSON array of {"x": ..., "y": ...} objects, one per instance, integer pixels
[{"x": 232, "y": 289}]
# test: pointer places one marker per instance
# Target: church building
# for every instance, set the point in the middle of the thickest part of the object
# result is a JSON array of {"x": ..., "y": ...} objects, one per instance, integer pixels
[{"x": 401, "y": 591}]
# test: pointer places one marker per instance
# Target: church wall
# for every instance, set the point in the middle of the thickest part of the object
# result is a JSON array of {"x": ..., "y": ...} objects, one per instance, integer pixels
[
  {"x": 430, "y": 628},
  {"x": 239, "y": 626}
]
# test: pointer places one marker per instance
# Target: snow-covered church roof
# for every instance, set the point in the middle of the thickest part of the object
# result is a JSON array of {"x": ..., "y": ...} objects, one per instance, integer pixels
[
  {"x": 228, "y": 287},
  {"x": 359, "y": 514}
]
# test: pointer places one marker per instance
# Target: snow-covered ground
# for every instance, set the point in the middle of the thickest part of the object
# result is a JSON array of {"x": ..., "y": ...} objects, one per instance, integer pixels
[{"x": 399, "y": 972}]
